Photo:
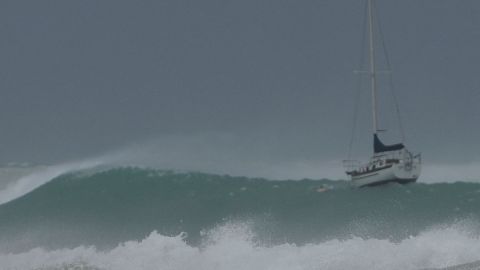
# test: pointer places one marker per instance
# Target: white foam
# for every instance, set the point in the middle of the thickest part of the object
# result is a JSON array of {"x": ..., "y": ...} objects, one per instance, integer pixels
[{"x": 233, "y": 247}]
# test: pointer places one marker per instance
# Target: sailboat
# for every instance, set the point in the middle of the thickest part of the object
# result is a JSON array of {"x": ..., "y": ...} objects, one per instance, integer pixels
[{"x": 389, "y": 163}]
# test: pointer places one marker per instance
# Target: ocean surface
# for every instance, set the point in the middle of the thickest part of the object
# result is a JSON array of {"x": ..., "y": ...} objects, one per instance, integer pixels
[{"x": 139, "y": 218}]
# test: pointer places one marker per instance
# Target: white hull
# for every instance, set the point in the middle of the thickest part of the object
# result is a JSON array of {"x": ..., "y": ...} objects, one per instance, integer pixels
[{"x": 396, "y": 173}]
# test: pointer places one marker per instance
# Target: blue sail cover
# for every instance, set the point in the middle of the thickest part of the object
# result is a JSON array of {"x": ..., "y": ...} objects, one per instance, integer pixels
[{"x": 379, "y": 147}]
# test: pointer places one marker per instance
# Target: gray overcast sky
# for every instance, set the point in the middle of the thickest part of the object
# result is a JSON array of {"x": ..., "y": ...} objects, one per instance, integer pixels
[{"x": 81, "y": 77}]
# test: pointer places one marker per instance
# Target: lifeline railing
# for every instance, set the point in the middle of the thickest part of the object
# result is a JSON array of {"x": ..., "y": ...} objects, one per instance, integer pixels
[{"x": 350, "y": 164}]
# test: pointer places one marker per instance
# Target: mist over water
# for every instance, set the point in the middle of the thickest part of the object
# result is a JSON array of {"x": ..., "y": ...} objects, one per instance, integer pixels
[
  {"x": 149, "y": 206},
  {"x": 225, "y": 153},
  {"x": 254, "y": 156}
]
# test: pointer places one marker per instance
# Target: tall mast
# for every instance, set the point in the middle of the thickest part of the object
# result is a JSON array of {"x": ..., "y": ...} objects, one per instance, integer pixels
[{"x": 372, "y": 66}]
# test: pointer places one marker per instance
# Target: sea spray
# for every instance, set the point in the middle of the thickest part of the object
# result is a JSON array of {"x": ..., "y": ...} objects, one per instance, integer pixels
[
  {"x": 44, "y": 174},
  {"x": 233, "y": 246}
]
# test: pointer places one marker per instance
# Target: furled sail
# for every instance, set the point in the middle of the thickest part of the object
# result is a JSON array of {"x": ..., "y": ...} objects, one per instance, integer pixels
[{"x": 379, "y": 147}]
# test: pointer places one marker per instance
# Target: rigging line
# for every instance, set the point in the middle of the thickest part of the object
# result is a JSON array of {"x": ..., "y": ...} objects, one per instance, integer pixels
[
  {"x": 390, "y": 77},
  {"x": 359, "y": 84}
]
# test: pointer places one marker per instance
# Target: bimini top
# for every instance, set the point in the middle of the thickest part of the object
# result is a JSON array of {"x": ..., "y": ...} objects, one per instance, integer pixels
[{"x": 379, "y": 147}]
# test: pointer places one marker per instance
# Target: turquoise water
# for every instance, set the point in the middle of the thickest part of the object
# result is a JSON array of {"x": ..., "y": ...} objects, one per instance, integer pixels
[{"x": 97, "y": 219}]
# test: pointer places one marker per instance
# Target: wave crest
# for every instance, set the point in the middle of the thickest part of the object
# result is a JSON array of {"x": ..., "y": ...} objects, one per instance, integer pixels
[{"x": 231, "y": 246}]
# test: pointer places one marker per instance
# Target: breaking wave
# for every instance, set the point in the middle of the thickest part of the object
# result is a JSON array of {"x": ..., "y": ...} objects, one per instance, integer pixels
[
  {"x": 234, "y": 246},
  {"x": 137, "y": 218}
]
